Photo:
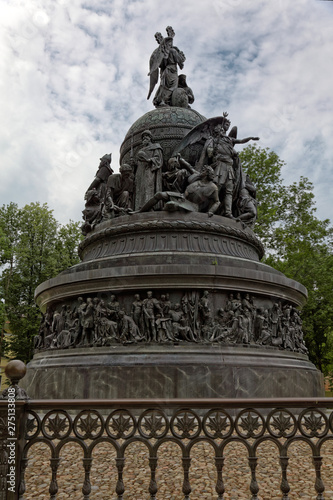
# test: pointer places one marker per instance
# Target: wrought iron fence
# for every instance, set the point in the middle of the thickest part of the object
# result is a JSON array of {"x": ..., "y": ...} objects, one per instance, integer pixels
[{"x": 153, "y": 423}]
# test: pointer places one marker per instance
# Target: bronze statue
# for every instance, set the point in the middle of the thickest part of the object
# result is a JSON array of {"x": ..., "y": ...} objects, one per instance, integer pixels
[
  {"x": 201, "y": 195},
  {"x": 102, "y": 174},
  {"x": 176, "y": 177},
  {"x": 247, "y": 204},
  {"x": 218, "y": 151},
  {"x": 225, "y": 162},
  {"x": 165, "y": 59},
  {"x": 119, "y": 193},
  {"x": 95, "y": 195},
  {"x": 203, "y": 192},
  {"x": 148, "y": 175},
  {"x": 182, "y": 96},
  {"x": 92, "y": 213}
]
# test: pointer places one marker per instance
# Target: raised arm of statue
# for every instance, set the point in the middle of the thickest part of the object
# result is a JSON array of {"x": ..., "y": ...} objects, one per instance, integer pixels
[
  {"x": 247, "y": 139},
  {"x": 186, "y": 165}
]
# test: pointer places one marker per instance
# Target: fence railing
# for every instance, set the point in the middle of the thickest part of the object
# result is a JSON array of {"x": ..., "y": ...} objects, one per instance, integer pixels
[{"x": 154, "y": 423}]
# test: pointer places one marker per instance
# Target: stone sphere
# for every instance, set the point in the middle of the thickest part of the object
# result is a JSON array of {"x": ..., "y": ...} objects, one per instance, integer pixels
[
  {"x": 15, "y": 369},
  {"x": 168, "y": 126}
]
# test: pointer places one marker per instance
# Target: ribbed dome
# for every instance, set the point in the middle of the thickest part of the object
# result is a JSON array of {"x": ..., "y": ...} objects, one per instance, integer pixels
[{"x": 168, "y": 125}]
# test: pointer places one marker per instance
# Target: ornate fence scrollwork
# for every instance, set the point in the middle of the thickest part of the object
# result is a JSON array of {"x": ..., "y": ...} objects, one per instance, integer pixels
[{"x": 186, "y": 423}]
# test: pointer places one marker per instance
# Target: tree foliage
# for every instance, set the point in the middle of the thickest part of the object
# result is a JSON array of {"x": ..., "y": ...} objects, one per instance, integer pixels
[
  {"x": 35, "y": 248},
  {"x": 264, "y": 168},
  {"x": 298, "y": 244}
]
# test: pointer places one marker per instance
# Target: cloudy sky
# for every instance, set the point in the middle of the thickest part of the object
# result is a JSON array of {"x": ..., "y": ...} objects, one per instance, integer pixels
[{"x": 74, "y": 78}]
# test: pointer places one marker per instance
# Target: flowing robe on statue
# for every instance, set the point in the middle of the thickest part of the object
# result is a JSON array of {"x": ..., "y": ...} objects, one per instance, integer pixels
[{"x": 148, "y": 176}]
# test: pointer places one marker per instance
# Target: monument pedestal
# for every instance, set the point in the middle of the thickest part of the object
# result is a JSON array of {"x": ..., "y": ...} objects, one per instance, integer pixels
[{"x": 172, "y": 371}]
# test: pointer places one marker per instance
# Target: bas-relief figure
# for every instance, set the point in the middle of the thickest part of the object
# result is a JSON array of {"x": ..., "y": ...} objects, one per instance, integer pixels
[
  {"x": 128, "y": 329},
  {"x": 137, "y": 312},
  {"x": 150, "y": 306},
  {"x": 101, "y": 323}
]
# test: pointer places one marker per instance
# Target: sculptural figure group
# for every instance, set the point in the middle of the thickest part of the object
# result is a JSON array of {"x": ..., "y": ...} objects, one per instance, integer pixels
[
  {"x": 215, "y": 185},
  {"x": 164, "y": 62},
  {"x": 97, "y": 322}
]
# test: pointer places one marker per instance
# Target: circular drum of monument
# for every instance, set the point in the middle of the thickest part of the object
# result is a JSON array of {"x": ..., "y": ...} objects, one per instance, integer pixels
[
  {"x": 201, "y": 268},
  {"x": 163, "y": 251}
]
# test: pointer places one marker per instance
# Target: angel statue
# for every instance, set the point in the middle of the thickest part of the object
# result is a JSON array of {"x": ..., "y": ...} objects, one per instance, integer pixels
[
  {"x": 218, "y": 151},
  {"x": 165, "y": 58}
]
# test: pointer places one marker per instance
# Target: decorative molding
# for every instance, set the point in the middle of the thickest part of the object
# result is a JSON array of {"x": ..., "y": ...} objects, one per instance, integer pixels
[{"x": 209, "y": 244}]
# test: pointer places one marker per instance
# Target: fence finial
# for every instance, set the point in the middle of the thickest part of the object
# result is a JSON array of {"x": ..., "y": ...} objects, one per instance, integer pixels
[{"x": 15, "y": 371}]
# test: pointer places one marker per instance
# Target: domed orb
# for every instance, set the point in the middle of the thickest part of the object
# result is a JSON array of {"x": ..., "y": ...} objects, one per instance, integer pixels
[
  {"x": 15, "y": 369},
  {"x": 168, "y": 126}
]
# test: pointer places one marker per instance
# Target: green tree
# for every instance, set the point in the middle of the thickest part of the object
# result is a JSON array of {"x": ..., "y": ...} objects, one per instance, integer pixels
[
  {"x": 304, "y": 252},
  {"x": 68, "y": 238},
  {"x": 40, "y": 249},
  {"x": 9, "y": 217},
  {"x": 298, "y": 244},
  {"x": 264, "y": 168}
]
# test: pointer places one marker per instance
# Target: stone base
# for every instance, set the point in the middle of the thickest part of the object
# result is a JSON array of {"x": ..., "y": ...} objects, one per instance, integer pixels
[{"x": 172, "y": 371}]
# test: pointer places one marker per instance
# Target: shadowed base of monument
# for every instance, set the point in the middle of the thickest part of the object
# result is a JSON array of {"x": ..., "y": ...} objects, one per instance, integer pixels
[{"x": 172, "y": 371}]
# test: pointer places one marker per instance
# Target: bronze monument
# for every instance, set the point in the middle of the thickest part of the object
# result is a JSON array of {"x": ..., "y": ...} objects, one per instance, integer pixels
[{"x": 171, "y": 299}]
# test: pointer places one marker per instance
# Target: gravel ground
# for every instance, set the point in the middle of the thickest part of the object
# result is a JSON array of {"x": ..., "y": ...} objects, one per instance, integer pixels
[{"x": 236, "y": 473}]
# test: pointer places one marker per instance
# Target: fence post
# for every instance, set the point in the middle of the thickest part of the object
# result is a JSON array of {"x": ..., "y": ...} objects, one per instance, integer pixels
[{"x": 12, "y": 432}]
